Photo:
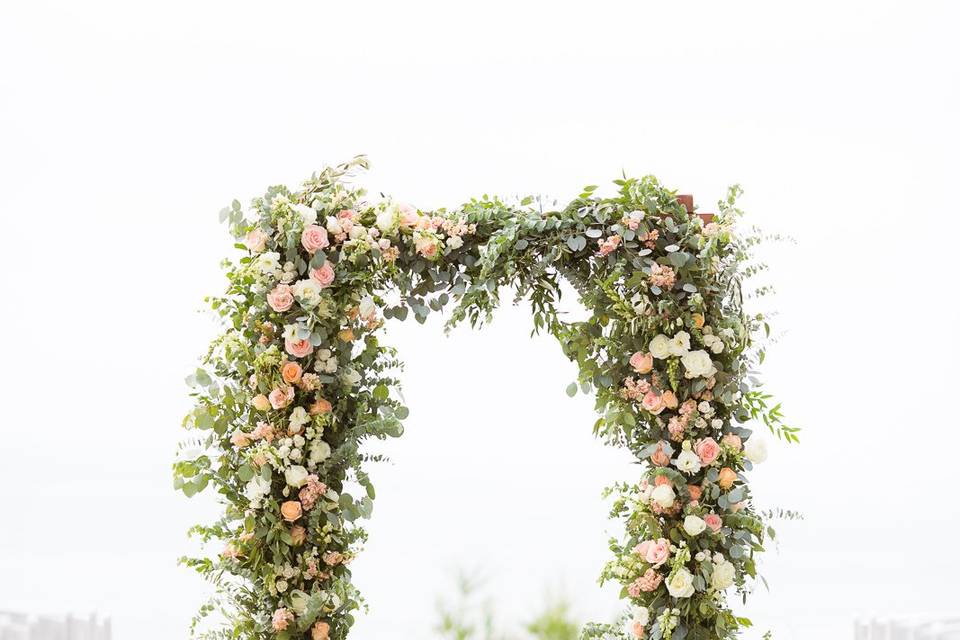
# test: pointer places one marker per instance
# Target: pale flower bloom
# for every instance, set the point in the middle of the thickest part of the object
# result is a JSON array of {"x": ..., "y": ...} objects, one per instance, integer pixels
[
  {"x": 723, "y": 575},
  {"x": 755, "y": 449},
  {"x": 697, "y": 364},
  {"x": 680, "y": 584},
  {"x": 688, "y": 462}
]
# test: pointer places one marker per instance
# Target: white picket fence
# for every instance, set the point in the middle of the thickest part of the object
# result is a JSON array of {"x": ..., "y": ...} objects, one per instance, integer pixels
[
  {"x": 908, "y": 628},
  {"x": 20, "y": 626}
]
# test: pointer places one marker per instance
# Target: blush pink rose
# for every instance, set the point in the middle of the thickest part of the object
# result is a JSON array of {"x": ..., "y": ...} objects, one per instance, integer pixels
[
  {"x": 408, "y": 215},
  {"x": 347, "y": 214},
  {"x": 281, "y": 298},
  {"x": 708, "y": 450},
  {"x": 324, "y": 275},
  {"x": 733, "y": 441},
  {"x": 641, "y": 362},
  {"x": 298, "y": 348},
  {"x": 655, "y": 552},
  {"x": 281, "y": 397},
  {"x": 713, "y": 521},
  {"x": 653, "y": 402},
  {"x": 637, "y": 629},
  {"x": 314, "y": 238}
]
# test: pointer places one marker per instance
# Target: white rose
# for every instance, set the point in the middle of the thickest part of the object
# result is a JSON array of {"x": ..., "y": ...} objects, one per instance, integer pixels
[
  {"x": 717, "y": 347},
  {"x": 663, "y": 496},
  {"x": 295, "y": 476},
  {"x": 298, "y": 601},
  {"x": 307, "y": 292},
  {"x": 388, "y": 219},
  {"x": 368, "y": 309},
  {"x": 694, "y": 525},
  {"x": 680, "y": 584},
  {"x": 357, "y": 232},
  {"x": 679, "y": 344},
  {"x": 688, "y": 462},
  {"x": 660, "y": 347},
  {"x": 698, "y": 364},
  {"x": 349, "y": 378},
  {"x": 307, "y": 214},
  {"x": 333, "y": 226},
  {"x": 454, "y": 242},
  {"x": 319, "y": 451},
  {"x": 723, "y": 575},
  {"x": 755, "y": 449}
]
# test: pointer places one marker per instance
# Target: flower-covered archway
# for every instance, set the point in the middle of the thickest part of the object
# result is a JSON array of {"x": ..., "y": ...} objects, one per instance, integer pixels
[{"x": 299, "y": 379}]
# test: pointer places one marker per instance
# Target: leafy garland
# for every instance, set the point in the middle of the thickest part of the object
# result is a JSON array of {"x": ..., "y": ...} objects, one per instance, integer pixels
[{"x": 299, "y": 380}]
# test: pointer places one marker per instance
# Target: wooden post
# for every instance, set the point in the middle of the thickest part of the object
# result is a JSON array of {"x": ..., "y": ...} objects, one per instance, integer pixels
[{"x": 687, "y": 201}]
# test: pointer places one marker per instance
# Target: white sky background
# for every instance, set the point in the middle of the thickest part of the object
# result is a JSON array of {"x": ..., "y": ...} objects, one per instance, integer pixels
[{"x": 124, "y": 127}]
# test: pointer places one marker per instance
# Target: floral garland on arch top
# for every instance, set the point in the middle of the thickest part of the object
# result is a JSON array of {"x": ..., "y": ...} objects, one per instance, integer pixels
[{"x": 299, "y": 379}]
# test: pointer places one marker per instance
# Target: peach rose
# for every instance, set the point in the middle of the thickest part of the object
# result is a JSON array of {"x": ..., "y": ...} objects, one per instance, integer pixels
[
  {"x": 637, "y": 629},
  {"x": 655, "y": 552},
  {"x": 346, "y": 335},
  {"x": 314, "y": 238},
  {"x": 653, "y": 402},
  {"x": 240, "y": 439},
  {"x": 727, "y": 477},
  {"x": 662, "y": 480},
  {"x": 298, "y": 534},
  {"x": 670, "y": 399},
  {"x": 713, "y": 521},
  {"x": 261, "y": 402},
  {"x": 281, "y": 397},
  {"x": 291, "y": 372},
  {"x": 659, "y": 457},
  {"x": 255, "y": 240},
  {"x": 281, "y": 298},
  {"x": 695, "y": 492},
  {"x": 641, "y": 362},
  {"x": 298, "y": 348},
  {"x": 320, "y": 406},
  {"x": 733, "y": 441},
  {"x": 708, "y": 450},
  {"x": 698, "y": 320},
  {"x": 291, "y": 510},
  {"x": 324, "y": 275},
  {"x": 320, "y": 631}
]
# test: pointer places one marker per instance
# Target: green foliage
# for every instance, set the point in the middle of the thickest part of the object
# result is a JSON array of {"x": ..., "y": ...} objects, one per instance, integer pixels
[{"x": 299, "y": 380}]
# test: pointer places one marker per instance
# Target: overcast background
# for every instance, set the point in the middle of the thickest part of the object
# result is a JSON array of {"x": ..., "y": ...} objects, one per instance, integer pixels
[{"x": 125, "y": 126}]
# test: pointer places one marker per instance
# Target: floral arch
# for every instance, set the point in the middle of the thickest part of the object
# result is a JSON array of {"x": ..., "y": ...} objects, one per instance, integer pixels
[{"x": 299, "y": 379}]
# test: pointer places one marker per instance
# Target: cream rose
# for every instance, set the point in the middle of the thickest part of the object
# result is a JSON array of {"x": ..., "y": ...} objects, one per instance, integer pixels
[
  {"x": 698, "y": 364},
  {"x": 660, "y": 347},
  {"x": 723, "y": 576},
  {"x": 694, "y": 525},
  {"x": 296, "y": 476},
  {"x": 663, "y": 496},
  {"x": 680, "y": 584}
]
